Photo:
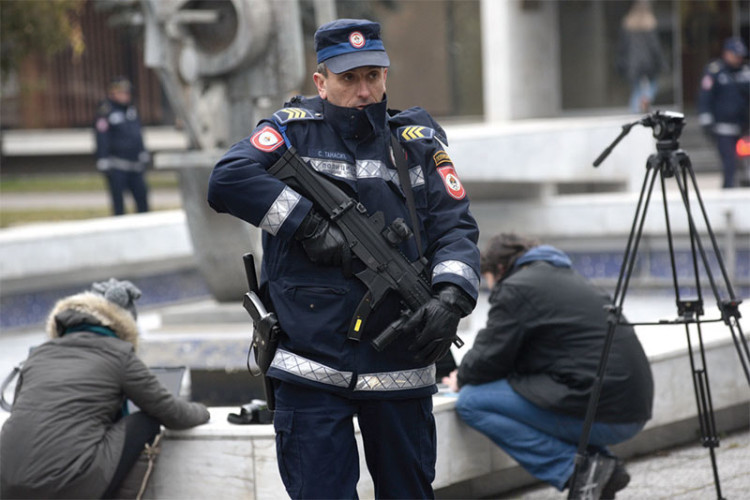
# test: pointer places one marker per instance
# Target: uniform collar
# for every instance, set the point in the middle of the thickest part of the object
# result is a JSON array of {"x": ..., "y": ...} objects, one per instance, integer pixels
[
  {"x": 117, "y": 105},
  {"x": 353, "y": 123}
]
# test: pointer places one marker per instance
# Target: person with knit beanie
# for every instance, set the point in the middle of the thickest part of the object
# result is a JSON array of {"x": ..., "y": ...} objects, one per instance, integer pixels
[{"x": 69, "y": 434}]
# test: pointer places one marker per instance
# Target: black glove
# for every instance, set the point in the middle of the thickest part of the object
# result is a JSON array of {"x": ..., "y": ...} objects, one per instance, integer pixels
[
  {"x": 323, "y": 242},
  {"x": 436, "y": 322},
  {"x": 708, "y": 132}
]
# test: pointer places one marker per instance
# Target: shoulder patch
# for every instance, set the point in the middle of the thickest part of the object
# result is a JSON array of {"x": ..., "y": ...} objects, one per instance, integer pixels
[
  {"x": 287, "y": 115},
  {"x": 104, "y": 108},
  {"x": 102, "y": 124},
  {"x": 266, "y": 139},
  {"x": 452, "y": 183},
  {"x": 714, "y": 67},
  {"x": 415, "y": 132}
]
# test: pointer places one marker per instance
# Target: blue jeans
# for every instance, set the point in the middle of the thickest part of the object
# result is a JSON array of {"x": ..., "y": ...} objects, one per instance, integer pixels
[
  {"x": 542, "y": 441},
  {"x": 642, "y": 90}
]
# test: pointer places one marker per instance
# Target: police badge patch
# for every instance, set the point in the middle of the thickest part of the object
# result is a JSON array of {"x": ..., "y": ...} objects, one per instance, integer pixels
[
  {"x": 452, "y": 183},
  {"x": 266, "y": 139},
  {"x": 102, "y": 125}
]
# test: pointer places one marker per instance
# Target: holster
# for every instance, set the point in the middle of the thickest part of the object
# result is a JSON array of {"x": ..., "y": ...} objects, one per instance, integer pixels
[{"x": 265, "y": 341}]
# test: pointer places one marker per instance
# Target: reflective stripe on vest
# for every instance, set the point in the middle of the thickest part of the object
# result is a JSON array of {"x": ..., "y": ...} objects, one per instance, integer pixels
[{"x": 383, "y": 381}]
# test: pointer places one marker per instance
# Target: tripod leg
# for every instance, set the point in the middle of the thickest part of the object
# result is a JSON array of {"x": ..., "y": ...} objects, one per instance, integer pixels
[
  {"x": 701, "y": 384},
  {"x": 729, "y": 307},
  {"x": 704, "y": 404},
  {"x": 636, "y": 229},
  {"x": 740, "y": 342},
  {"x": 688, "y": 168}
]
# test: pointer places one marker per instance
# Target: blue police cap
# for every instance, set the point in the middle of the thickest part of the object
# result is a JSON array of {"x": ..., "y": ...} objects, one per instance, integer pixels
[
  {"x": 345, "y": 44},
  {"x": 736, "y": 45},
  {"x": 120, "y": 83}
]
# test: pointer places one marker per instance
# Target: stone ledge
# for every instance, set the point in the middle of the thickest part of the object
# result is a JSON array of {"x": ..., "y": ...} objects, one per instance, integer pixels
[
  {"x": 60, "y": 142},
  {"x": 41, "y": 256},
  {"x": 240, "y": 461},
  {"x": 226, "y": 460}
]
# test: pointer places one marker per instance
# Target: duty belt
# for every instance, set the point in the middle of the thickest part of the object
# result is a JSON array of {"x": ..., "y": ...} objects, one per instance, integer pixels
[{"x": 383, "y": 381}]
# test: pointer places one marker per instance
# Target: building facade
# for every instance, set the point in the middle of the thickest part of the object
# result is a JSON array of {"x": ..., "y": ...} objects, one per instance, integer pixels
[{"x": 468, "y": 60}]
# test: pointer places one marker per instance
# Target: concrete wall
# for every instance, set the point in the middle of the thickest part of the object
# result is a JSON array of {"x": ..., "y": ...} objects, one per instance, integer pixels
[{"x": 521, "y": 62}]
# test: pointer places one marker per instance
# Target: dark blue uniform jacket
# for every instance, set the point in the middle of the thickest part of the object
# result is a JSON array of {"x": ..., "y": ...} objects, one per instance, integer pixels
[
  {"x": 315, "y": 304},
  {"x": 724, "y": 99},
  {"x": 118, "y": 132}
]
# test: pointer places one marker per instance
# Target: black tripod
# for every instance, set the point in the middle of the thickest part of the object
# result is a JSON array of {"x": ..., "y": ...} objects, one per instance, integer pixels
[{"x": 671, "y": 162}]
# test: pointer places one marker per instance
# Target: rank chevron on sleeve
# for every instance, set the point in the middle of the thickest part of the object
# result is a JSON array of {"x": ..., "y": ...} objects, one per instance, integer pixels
[
  {"x": 414, "y": 132},
  {"x": 291, "y": 114}
]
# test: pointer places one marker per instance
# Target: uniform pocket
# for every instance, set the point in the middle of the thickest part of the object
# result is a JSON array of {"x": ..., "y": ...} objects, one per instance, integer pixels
[
  {"x": 287, "y": 452},
  {"x": 311, "y": 313}
]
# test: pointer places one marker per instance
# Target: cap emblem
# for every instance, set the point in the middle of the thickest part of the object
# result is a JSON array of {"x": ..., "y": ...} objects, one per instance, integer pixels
[{"x": 357, "y": 40}]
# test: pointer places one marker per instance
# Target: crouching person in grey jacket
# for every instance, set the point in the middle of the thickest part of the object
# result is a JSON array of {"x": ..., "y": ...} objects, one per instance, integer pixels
[{"x": 69, "y": 435}]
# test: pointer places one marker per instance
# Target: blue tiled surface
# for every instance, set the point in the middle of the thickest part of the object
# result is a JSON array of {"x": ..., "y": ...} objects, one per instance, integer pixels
[
  {"x": 32, "y": 308},
  {"x": 598, "y": 265},
  {"x": 657, "y": 265}
]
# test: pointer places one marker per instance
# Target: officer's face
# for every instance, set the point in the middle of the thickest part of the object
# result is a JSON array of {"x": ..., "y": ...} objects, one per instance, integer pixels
[
  {"x": 120, "y": 95},
  {"x": 355, "y": 88},
  {"x": 732, "y": 58}
]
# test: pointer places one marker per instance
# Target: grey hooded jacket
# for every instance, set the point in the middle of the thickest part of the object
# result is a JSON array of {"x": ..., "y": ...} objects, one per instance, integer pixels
[{"x": 63, "y": 438}]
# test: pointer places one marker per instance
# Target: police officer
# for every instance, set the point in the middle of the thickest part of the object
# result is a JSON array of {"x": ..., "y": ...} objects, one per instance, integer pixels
[
  {"x": 724, "y": 103},
  {"x": 120, "y": 152},
  {"x": 321, "y": 377}
]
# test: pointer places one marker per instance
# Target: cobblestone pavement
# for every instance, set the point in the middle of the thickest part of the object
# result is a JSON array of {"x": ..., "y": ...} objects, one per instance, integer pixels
[{"x": 683, "y": 473}]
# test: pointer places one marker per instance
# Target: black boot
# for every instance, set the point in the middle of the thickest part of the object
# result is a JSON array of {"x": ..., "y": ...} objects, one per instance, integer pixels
[
  {"x": 592, "y": 477},
  {"x": 620, "y": 478}
]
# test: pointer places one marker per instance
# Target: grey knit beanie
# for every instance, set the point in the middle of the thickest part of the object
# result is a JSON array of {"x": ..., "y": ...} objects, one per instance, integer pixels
[{"x": 122, "y": 293}]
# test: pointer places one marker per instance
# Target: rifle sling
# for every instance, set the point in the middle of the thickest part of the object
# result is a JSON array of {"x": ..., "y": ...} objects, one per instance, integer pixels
[{"x": 403, "y": 176}]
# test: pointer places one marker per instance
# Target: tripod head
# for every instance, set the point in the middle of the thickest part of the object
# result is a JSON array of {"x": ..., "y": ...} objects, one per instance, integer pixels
[{"x": 665, "y": 125}]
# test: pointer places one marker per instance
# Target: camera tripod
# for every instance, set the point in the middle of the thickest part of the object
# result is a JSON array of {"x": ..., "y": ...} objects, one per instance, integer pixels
[{"x": 671, "y": 162}]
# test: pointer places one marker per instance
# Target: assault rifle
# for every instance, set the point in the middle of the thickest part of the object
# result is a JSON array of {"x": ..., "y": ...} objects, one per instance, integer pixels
[{"x": 386, "y": 268}]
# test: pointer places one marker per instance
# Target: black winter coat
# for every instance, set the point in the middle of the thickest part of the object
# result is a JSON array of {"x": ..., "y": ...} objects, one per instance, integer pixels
[{"x": 545, "y": 333}]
